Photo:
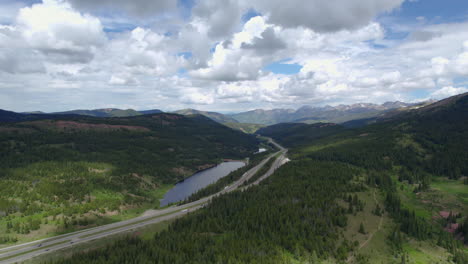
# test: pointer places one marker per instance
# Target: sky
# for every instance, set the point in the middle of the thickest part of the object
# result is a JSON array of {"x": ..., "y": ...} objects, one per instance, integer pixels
[{"x": 229, "y": 55}]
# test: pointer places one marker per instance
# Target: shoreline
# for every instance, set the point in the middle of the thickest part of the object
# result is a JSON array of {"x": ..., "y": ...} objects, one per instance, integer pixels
[{"x": 210, "y": 166}]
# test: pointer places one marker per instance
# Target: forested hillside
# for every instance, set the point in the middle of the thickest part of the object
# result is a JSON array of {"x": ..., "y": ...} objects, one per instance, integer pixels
[
  {"x": 393, "y": 192},
  {"x": 60, "y": 174},
  {"x": 295, "y": 134},
  {"x": 106, "y": 112},
  {"x": 220, "y": 118}
]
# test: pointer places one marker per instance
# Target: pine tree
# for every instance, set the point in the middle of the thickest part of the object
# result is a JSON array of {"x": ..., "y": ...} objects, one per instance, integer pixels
[
  {"x": 314, "y": 258},
  {"x": 361, "y": 229}
]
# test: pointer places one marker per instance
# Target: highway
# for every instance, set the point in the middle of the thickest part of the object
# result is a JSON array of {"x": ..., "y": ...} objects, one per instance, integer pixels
[{"x": 27, "y": 251}]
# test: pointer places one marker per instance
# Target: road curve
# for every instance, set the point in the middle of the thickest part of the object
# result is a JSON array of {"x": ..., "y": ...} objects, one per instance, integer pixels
[{"x": 26, "y": 251}]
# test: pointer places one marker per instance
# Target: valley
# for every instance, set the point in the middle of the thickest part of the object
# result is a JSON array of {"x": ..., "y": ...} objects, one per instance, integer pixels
[
  {"x": 392, "y": 192},
  {"x": 366, "y": 195},
  {"x": 33, "y": 249},
  {"x": 59, "y": 176}
]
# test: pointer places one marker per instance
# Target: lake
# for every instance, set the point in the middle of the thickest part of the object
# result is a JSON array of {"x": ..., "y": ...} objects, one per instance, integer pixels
[{"x": 199, "y": 180}]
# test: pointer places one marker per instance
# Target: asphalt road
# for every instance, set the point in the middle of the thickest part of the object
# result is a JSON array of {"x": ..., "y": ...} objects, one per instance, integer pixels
[{"x": 26, "y": 251}]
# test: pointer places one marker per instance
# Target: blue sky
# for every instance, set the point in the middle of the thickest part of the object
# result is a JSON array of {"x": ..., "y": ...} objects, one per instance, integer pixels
[
  {"x": 283, "y": 67},
  {"x": 229, "y": 55},
  {"x": 436, "y": 11}
]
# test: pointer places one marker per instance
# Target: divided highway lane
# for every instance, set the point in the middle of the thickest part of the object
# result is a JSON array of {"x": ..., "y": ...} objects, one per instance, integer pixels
[{"x": 26, "y": 251}]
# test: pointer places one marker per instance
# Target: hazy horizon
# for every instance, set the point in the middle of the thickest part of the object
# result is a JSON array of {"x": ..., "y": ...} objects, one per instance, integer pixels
[{"x": 221, "y": 112}]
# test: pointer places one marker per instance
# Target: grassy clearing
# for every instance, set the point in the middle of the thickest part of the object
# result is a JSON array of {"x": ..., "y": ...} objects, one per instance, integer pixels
[
  {"x": 443, "y": 195},
  {"x": 412, "y": 200},
  {"x": 422, "y": 252},
  {"x": 159, "y": 193},
  {"x": 407, "y": 141},
  {"x": 245, "y": 127},
  {"x": 454, "y": 187},
  {"x": 317, "y": 147},
  {"x": 366, "y": 217},
  {"x": 376, "y": 249},
  {"x": 102, "y": 198}
]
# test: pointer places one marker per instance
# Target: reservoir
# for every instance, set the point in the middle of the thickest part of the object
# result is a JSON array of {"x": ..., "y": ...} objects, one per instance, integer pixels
[{"x": 199, "y": 180}]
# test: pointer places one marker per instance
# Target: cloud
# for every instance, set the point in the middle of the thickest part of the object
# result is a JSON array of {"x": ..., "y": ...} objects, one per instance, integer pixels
[
  {"x": 231, "y": 62},
  {"x": 15, "y": 56},
  {"x": 323, "y": 16},
  {"x": 424, "y": 35},
  {"x": 134, "y": 7},
  {"x": 23, "y": 63},
  {"x": 61, "y": 54},
  {"x": 245, "y": 54},
  {"x": 197, "y": 98},
  {"x": 58, "y": 31},
  {"x": 220, "y": 17},
  {"x": 267, "y": 43},
  {"x": 147, "y": 52},
  {"x": 122, "y": 80},
  {"x": 448, "y": 91}
]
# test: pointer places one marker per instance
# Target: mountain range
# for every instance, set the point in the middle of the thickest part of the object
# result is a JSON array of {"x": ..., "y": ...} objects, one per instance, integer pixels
[
  {"x": 246, "y": 121},
  {"x": 309, "y": 114},
  {"x": 108, "y": 112},
  {"x": 220, "y": 118}
]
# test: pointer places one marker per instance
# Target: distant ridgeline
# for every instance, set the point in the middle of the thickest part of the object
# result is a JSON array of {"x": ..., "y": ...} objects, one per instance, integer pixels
[
  {"x": 432, "y": 139},
  {"x": 392, "y": 192},
  {"x": 86, "y": 168}
]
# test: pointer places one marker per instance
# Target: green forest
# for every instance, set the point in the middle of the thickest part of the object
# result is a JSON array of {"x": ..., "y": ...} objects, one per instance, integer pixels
[{"x": 76, "y": 172}]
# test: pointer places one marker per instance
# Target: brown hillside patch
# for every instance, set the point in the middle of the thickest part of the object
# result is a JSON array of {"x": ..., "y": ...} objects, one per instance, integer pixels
[
  {"x": 444, "y": 214},
  {"x": 15, "y": 130}
]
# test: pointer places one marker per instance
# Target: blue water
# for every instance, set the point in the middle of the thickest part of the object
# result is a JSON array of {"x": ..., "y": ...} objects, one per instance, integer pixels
[{"x": 199, "y": 180}]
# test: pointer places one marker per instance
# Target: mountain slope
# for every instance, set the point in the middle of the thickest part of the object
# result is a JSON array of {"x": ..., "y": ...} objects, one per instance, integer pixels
[
  {"x": 9, "y": 116},
  {"x": 152, "y": 111},
  {"x": 84, "y": 171},
  {"x": 265, "y": 117},
  {"x": 293, "y": 134},
  {"x": 105, "y": 112},
  {"x": 220, "y": 118},
  {"x": 437, "y": 129},
  {"x": 245, "y": 127}
]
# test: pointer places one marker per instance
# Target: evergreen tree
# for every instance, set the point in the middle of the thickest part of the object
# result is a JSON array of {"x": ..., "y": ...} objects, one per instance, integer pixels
[{"x": 361, "y": 229}]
